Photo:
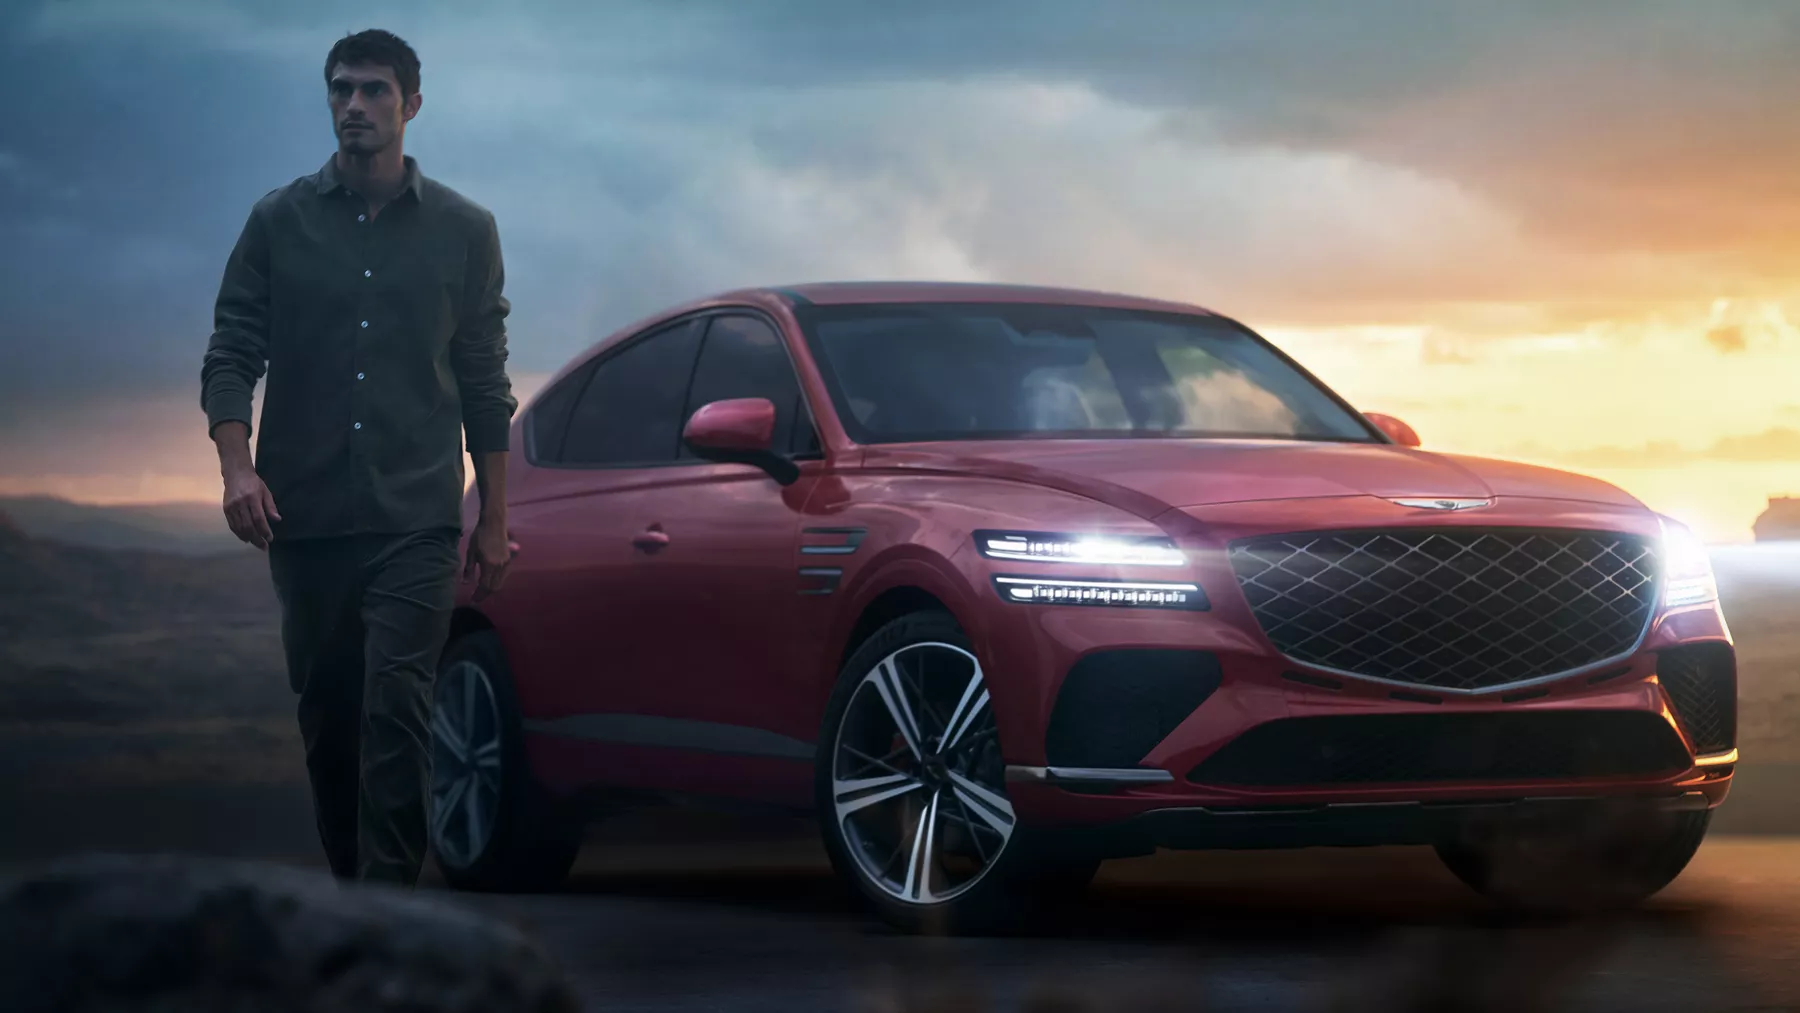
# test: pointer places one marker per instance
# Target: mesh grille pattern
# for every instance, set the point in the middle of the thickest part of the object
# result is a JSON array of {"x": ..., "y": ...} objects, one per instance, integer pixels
[
  {"x": 1701, "y": 681},
  {"x": 1454, "y": 609},
  {"x": 1414, "y": 748}
]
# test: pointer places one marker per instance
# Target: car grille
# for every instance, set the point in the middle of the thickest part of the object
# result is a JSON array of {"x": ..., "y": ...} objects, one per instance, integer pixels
[
  {"x": 1455, "y": 609},
  {"x": 1416, "y": 748},
  {"x": 1701, "y": 680}
]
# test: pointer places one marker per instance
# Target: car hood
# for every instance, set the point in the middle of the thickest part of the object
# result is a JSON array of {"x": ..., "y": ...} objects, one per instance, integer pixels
[{"x": 1150, "y": 476}]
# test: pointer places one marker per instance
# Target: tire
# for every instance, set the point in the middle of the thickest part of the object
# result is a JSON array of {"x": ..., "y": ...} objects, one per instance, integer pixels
[
  {"x": 1604, "y": 858},
  {"x": 519, "y": 838},
  {"x": 926, "y": 836}
]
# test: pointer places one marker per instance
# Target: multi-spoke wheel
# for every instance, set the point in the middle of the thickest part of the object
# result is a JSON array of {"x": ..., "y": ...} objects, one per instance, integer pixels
[
  {"x": 912, "y": 783},
  {"x": 493, "y": 827},
  {"x": 465, "y": 764}
]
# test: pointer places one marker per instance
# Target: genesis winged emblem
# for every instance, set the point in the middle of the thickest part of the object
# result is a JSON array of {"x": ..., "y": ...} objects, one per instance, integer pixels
[{"x": 1426, "y": 503}]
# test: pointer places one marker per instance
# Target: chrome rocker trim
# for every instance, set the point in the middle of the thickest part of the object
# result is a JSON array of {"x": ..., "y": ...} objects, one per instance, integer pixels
[{"x": 1087, "y": 775}]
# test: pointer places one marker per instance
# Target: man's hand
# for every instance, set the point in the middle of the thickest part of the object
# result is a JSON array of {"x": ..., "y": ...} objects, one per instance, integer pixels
[
  {"x": 491, "y": 550},
  {"x": 248, "y": 505}
]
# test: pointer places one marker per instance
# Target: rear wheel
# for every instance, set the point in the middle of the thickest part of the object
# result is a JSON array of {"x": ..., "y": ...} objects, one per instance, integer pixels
[
  {"x": 493, "y": 826},
  {"x": 1601, "y": 858},
  {"x": 911, "y": 789}
]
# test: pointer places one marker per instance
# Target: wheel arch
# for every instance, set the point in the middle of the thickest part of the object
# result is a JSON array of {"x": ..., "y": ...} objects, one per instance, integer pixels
[
  {"x": 464, "y": 620},
  {"x": 899, "y": 586}
]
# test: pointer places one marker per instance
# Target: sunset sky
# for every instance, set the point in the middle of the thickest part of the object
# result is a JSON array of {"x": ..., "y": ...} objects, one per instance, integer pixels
[{"x": 1562, "y": 233}]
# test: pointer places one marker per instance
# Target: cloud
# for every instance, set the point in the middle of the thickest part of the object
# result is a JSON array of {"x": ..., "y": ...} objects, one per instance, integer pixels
[
  {"x": 1777, "y": 444},
  {"x": 1727, "y": 338}
]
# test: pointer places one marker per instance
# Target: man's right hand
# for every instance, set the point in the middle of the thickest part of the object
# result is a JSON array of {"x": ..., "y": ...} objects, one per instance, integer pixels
[
  {"x": 249, "y": 508},
  {"x": 248, "y": 505}
]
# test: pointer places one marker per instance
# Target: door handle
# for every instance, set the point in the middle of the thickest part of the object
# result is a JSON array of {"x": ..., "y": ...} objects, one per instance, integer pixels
[{"x": 651, "y": 539}]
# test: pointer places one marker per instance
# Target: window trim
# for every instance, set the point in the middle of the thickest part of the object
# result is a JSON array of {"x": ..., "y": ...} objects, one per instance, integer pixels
[{"x": 704, "y": 318}]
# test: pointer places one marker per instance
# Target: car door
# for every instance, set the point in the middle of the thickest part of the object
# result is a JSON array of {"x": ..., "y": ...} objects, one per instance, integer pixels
[
  {"x": 585, "y": 644},
  {"x": 727, "y": 584}
]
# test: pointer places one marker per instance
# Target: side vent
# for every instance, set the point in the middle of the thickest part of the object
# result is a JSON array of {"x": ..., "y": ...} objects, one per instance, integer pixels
[{"x": 1115, "y": 706}]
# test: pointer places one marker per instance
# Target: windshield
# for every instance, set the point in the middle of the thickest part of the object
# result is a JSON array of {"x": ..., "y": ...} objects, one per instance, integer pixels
[{"x": 913, "y": 372}]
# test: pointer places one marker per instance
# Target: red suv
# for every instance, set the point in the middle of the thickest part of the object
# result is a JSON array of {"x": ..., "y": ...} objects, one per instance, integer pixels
[{"x": 1001, "y": 582}]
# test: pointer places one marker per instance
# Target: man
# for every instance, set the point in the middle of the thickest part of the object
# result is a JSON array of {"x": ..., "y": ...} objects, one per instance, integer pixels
[{"x": 371, "y": 296}]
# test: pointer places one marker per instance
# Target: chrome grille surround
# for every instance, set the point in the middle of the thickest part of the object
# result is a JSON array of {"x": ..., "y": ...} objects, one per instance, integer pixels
[{"x": 1451, "y": 609}]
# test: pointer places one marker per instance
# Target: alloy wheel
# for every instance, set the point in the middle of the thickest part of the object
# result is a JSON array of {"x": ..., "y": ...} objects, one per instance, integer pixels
[
  {"x": 917, "y": 777},
  {"x": 465, "y": 776}
]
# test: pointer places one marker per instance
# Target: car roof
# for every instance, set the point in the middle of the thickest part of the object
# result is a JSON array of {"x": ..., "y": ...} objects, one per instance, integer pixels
[{"x": 847, "y": 293}]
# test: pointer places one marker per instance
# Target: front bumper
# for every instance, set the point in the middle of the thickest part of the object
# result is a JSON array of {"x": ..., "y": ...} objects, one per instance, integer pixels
[
  {"x": 1350, "y": 824},
  {"x": 1159, "y": 799}
]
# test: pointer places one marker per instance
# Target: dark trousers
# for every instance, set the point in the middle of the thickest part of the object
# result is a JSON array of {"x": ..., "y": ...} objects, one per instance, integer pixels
[{"x": 364, "y": 619}]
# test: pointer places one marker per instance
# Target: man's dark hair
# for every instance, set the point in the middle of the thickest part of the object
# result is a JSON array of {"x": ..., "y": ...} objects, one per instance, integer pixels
[{"x": 376, "y": 48}]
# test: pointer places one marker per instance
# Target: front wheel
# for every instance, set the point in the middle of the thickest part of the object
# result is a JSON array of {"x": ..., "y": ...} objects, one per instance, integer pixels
[
  {"x": 1606, "y": 857},
  {"x": 911, "y": 789}
]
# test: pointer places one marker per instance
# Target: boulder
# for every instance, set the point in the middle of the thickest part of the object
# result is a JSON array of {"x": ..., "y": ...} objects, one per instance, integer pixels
[{"x": 116, "y": 933}]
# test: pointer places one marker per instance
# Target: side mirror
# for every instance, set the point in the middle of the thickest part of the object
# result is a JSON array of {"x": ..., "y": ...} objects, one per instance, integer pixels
[
  {"x": 739, "y": 431},
  {"x": 1395, "y": 429}
]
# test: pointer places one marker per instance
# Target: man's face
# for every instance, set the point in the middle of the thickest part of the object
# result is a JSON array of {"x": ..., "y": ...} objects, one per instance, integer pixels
[{"x": 367, "y": 110}]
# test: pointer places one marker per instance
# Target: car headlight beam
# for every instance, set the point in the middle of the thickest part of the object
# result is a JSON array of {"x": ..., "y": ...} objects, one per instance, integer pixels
[
  {"x": 1088, "y": 550},
  {"x": 1687, "y": 570}
]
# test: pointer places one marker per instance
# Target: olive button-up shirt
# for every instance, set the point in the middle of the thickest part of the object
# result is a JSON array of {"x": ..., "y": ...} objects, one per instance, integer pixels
[{"x": 382, "y": 344}]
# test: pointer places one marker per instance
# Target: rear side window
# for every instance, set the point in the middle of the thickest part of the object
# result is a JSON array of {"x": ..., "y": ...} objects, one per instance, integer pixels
[
  {"x": 744, "y": 357},
  {"x": 550, "y": 415},
  {"x": 630, "y": 412}
]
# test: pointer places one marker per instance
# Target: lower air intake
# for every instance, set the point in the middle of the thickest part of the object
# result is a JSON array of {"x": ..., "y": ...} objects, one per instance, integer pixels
[
  {"x": 1115, "y": 706},
  {"x": 1419, "y": 748},
  {"x": 1701, "y": 680}
]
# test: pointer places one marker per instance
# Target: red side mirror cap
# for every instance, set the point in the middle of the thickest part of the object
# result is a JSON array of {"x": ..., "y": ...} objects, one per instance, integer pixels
[{"x": 1395, "y": 429}]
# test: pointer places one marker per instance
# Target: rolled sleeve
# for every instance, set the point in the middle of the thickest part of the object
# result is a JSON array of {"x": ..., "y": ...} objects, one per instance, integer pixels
[
  {"x": 478, "y": 351},
  {"x": 237, "y": 354}
]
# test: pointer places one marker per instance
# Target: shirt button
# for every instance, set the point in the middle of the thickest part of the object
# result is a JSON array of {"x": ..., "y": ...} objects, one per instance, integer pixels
[
  {"x": 368, "y": 274},
  {"x": 359, "y": 425},
  {"x": 365, "y": 323},
  {"x": 359, "y": 376},
  {"x": 361, "y": 217}
]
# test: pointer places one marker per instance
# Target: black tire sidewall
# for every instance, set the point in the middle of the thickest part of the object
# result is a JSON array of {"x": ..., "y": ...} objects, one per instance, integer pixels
[{"x": 1581, "y": 882}]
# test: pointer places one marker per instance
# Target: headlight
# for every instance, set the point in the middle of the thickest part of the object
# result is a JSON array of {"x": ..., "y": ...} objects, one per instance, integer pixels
[
  {"x": 1687, "y": 572},
  {"x": 1091, "y": 550},
  {"x": 1115, "y": 593}
]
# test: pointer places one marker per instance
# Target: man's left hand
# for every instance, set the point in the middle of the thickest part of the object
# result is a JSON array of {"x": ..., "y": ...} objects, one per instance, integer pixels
[{"x": 491, "y": 550}]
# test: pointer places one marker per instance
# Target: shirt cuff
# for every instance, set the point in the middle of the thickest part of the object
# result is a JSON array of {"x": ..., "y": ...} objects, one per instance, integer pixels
[{"x": 227, "y": 408}]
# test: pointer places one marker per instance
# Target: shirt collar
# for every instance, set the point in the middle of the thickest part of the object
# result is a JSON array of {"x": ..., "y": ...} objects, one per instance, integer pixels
[{"x": 328, "y": 181}]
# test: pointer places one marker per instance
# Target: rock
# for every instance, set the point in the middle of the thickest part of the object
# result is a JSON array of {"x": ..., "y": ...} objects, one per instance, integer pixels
[
  {"x": 1780, "y": 522},
  {"x": 167, "y": 933}
]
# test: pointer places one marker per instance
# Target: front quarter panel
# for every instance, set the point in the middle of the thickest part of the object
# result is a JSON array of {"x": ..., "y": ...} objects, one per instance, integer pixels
[{"x": 915, "y": 532}]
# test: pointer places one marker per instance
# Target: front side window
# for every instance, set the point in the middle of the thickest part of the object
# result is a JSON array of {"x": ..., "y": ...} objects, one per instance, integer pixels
[
  {"x": 917, "y": 372},
  {"x": 631, "y": 411},
  {"x": 744, "y": 357}
]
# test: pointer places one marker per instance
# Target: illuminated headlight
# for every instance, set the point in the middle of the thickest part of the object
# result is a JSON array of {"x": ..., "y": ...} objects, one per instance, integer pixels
[
  {"x": 1687, "y": 572},
  {"x": 1092, "y": 550},
  {"x": 1116, "y": 593}
]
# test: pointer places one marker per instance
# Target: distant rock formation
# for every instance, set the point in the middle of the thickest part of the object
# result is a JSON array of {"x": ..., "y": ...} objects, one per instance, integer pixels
[
  {"x": 1781, "y": 522},
  {"x": 125, "y": 934}
]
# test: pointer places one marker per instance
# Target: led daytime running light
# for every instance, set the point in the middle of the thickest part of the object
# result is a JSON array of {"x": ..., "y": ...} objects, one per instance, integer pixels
[
  {"x": 1091, "y": 550},
  {"x": 1116, "y": 593}
]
